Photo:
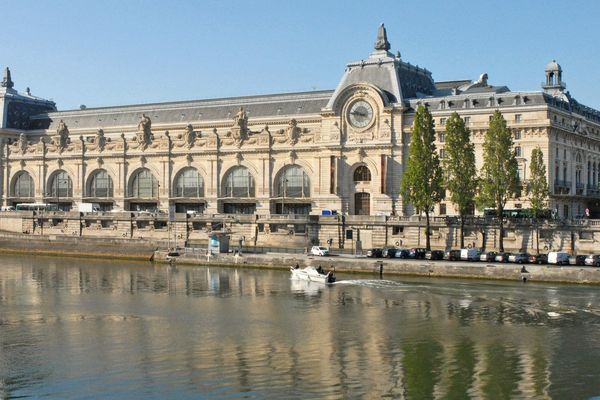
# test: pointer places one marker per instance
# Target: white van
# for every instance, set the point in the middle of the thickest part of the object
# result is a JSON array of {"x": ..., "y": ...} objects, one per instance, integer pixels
[
  {"x": 558, "y": 258},
  {"x": 469, "y": 254},
  {"x": 7, "y": 208}
]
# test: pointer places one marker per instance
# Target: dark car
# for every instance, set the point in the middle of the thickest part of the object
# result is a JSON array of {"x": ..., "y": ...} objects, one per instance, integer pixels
[
  {"x": 417, "y": 253},
  {"x": 374, "y": 253},
  {"x": 452, "y": 255},
  {"x": 402, "y": 253},
  {"x": 593, "y": 260},
  {"x": 520, "y": 258},
  {"x": 434, "y": 255},
  {"x": 538, "y": 259},
  {"x": 577, "y": 260},
  {"x": 388, "y": 252},
  {"x": 489, "y": 256},
  {"x": 502, "y": 257}
]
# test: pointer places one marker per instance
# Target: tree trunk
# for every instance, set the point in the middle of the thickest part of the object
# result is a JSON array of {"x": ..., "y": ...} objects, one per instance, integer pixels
[
  {"x": 462, "y": 232},
  {"x": 427, "y": 239},
  {"x": 501, "y": 239},
  {"x": 537, "y": 237}
]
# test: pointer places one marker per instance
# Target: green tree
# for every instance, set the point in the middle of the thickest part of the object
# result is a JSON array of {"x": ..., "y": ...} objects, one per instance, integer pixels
[
  {"x": 459, "y": 168},
  {"x": 499, "y": 179},
  {"x": 537, "y": 188},
  {"x": 422, "y": 181}
]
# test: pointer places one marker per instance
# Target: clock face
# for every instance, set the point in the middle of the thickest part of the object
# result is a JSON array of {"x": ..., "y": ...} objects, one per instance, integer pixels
[{"x": 360, "y": 114}]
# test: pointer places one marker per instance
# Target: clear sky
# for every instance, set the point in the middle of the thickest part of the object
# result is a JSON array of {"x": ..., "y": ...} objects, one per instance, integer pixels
[{"x": 114, "y": 52}]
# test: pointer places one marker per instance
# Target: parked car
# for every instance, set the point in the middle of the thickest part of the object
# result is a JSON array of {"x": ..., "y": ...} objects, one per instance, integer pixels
[
  {"x": 502, "y": 257},
  {"x": 388, "y": 252},
  {"x": 375, "y": 253},
  {"x": 538, "y": 259},
  {"x": 519, "y": 258},
  {"x": 469, "y": 254},
  {"x": 489, "y": 256},
  {"x": 319, "y": 251},
  {"x": 577, "y": 260},
  {"x": 558, "y": 258},
  {"x": 402, "y": 253},
  {"x": 434, "y": 255},
  {"x": 452, "y": 255},
  {"x": 593, "y": 260},
  {"x": 417, "y": 253}
]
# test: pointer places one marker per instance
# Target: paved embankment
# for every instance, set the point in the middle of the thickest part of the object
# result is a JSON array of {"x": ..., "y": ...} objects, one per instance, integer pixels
[{"x": 449, "y": 269}]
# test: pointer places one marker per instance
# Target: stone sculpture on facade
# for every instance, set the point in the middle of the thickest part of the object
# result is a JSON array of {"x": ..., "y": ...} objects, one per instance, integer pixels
[
  {"x": 189, "y": 136},
  {"x": 22, "y": 143},
  {"x": 100, "y": 139},
  {"x": 7, "y": 81},
  {"x": 144, "y": 133},
  {"x": 62, "y": 133},
  {"x": 292, "y": 132},
  {"x": 239, "y": 131}
]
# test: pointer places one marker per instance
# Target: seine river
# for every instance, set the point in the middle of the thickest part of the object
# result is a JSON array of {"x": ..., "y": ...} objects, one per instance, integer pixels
[{"x": 72, "y": 328}]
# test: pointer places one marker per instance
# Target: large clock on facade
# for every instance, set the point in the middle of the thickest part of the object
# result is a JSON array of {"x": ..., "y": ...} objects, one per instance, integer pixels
[{"x": 360, "y": 114}]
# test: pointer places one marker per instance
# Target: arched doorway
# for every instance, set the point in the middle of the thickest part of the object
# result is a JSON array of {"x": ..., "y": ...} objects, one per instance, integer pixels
[{"x": 362, "y": 203}]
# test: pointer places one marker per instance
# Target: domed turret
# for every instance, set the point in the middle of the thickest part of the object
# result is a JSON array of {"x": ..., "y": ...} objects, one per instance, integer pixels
[{"x": 554, "y": 84}]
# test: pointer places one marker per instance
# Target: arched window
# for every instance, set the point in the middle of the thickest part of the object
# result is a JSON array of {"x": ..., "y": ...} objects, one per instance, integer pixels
[
  {"x": 189, "y": 183},
  {"x": 292, "y": 182},
  {"x": 101, "y": 185},
  {"x": 61, "y": 185},
  {"x": 362, "y": 174},
  {"x": 144, "y": 185},
  {"x": 239, "y": 183},
  {"x": 23, "y": 186}
]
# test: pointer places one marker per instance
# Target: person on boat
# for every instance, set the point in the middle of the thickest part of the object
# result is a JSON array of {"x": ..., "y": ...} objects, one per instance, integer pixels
[
  {"x": 297, "y": 266},
  {"x": 320, "y": 269}
]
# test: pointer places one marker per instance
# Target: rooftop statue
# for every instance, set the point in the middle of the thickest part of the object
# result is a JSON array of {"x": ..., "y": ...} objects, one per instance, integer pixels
[
  {"x": 382, "y": 42},
  {"x": 7, "y": 81}
]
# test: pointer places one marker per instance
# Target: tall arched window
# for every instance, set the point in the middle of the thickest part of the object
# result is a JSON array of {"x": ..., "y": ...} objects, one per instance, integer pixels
[
  {"x": 144, "y": 185},
  {"x": 61, "y": 185},
  {"x": 189, "y": 183},
  {"x": 362, "y": 174},
  {"x": 101, "y": 185},
  {"x": 239, "y": 183},
  {"x": 23, "y": 185},
  {"x": 292, "y": 182}
]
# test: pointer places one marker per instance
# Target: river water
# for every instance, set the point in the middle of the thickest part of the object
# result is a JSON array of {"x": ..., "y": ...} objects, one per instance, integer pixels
[{"x": 72, "y": 328}]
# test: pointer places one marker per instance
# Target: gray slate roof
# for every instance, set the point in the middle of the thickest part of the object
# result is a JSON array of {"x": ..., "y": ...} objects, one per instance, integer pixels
[{"x": 264, "y": 106}]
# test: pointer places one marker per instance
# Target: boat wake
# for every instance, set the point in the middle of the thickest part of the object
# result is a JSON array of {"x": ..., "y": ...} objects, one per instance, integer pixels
[{"x": 373, "y": 283}]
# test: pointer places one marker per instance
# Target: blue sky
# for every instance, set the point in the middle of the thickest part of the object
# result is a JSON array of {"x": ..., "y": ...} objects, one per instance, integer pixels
[{"x": 113, "y": 52}]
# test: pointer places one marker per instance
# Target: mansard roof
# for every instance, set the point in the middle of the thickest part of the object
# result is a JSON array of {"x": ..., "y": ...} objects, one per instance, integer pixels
[{"x": 265, "y": 106}]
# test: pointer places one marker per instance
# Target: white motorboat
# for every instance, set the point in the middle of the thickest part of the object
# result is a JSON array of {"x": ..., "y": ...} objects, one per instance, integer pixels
[{"x": 312, "y": 274}]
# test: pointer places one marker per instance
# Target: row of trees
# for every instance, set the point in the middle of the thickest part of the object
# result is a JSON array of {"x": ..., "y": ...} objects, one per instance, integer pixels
[{"x": 426, "y": 178}]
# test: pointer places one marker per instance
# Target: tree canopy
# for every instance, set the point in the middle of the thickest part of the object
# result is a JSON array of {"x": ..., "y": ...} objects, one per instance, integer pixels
[
  {"x": 460, "y": 172},
  {"x": 422, "y": 183},
  {"x": 499, "y": 180}
]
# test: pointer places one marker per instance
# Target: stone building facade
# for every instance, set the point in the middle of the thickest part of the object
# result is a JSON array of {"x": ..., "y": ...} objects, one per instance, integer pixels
[{"x": 293, "y": 153}]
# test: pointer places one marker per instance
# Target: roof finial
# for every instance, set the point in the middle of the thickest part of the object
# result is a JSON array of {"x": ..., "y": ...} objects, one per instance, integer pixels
[
  {"x": 382, "y": 42},
  {"x": 7, "y": 82}
]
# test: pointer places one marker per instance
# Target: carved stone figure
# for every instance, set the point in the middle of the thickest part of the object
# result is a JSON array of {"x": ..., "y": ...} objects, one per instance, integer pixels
[
  {"x": 144, "y": 133},
  {"x": 22, "y": 143},
  {"x": 382, "y": 41},
  {"x": 189, "y": 136},
  {"x": 292, "y": 132},
  {"x": 100, "y": 139},
  {"x": 62, "y": 131},
  {"x": 239, "y": 131}
]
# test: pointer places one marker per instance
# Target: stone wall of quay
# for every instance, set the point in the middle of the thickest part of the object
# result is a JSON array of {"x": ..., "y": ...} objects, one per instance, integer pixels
[
  {"x": 52, "y": 245},
  {"x": 381, "y": 268},
  {"x": 341, "y": 233}
]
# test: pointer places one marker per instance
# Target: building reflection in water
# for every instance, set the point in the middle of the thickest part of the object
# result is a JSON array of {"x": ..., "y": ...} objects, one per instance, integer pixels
[{"x": 113, "y": 329}]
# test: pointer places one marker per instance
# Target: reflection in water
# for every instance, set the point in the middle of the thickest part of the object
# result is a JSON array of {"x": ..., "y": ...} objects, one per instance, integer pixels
[{"x": 78, "y": 328}]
